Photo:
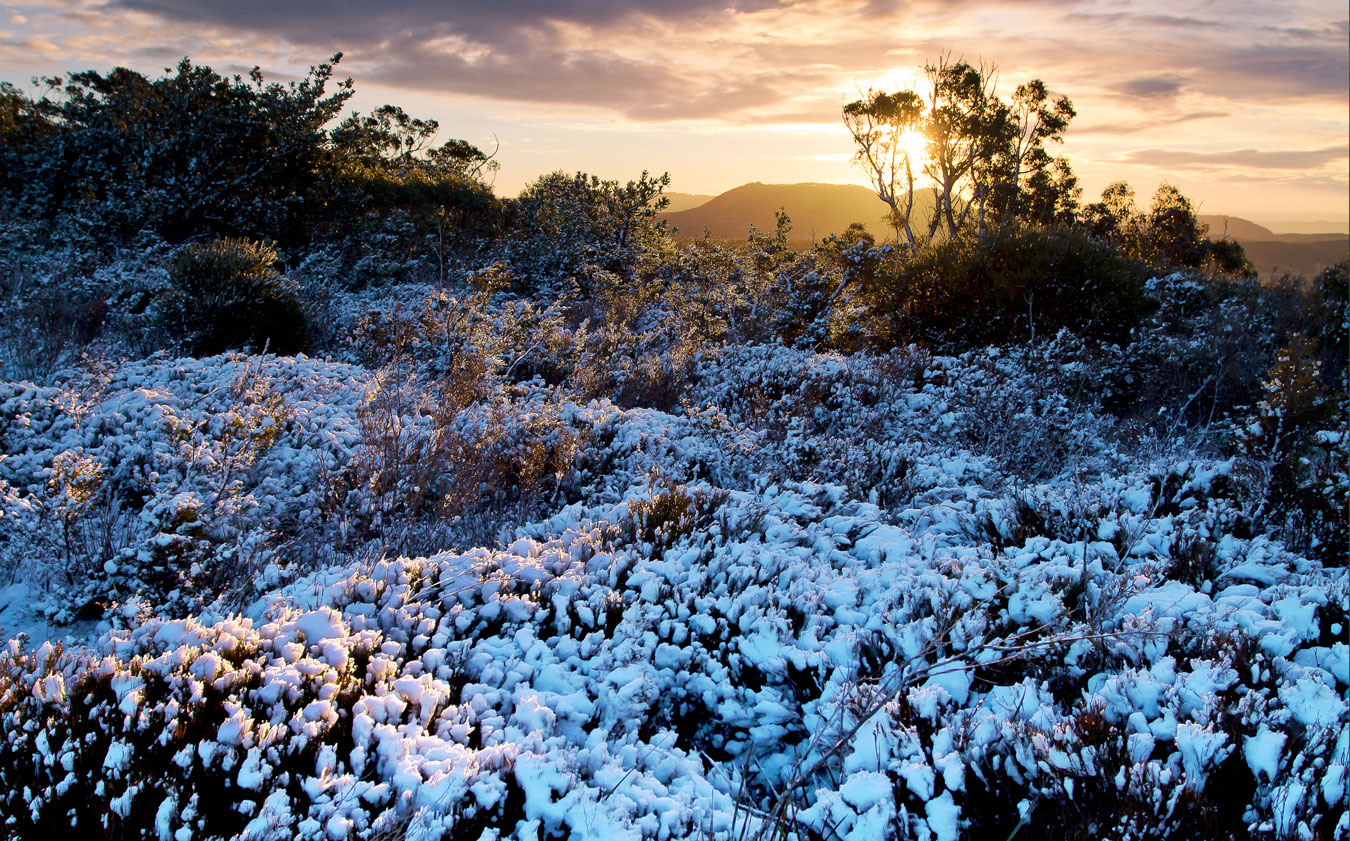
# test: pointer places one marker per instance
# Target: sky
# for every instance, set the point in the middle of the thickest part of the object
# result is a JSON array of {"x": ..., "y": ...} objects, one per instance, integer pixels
[{"x": 1242, "y": 104}]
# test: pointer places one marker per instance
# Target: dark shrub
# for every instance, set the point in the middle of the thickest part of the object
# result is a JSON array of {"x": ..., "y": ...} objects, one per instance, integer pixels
[
  {"x": 1009, "y": 285},
  {"x": 226, "y": 294},
  {"x": 1295, "y": 457},
  {"x": 1331, "y": 321}
]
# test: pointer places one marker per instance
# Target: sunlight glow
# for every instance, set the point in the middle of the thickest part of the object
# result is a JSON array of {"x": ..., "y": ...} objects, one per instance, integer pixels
[{"x": 914, "y": 145}]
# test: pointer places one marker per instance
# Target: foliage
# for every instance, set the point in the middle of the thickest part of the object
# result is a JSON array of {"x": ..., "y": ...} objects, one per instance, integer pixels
[
  {"x": 880, "y": 123},
  {"x": 563, "y": 223},
  {"x": 1009, "y": 285},
  {"x": 1168, "y": 237},
  {"x": 107, "y": 158},
  {"x": 228, "y": 294},
  {"x": 187, "y": 154},
  {"x": 154, "y": 487},
  {"x": 1295, "y": 449},
  {"x": 983, "y": 154},
  {"x": 1329, "y": 323},
  {"x": 394, "y": 201},
  {"x": 1026, "y": 182},
  {"x": 1200, "y": 354}
]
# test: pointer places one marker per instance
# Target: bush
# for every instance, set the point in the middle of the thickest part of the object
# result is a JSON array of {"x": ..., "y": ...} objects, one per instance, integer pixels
[
  {"x": 1200, "y": 355},
  {"x": 1008, "y": 285},
  {"x": 1294, "y": 453},
  {"x": 183, "y": 155},
  {"x": 226, "y": 294},
  {"x": 564, "y": 223},
  {"x": 1331, "y": 321}
]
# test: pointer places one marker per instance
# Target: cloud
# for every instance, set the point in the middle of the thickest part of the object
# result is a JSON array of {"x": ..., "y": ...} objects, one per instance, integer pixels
[
  {"x": 1263, "y": 159},
  {"x": 1154, "y": 22},
  {"x": 1284, "y": 70},
  {"x": 744, "y": 61},
  {"x": 11, "y": 45},
  {"x": 1153, "y": 87},
  {"x": 351, "y": 22},
  {"x": 616, "y": 55},
  {"x": 1117, "y": 128}
]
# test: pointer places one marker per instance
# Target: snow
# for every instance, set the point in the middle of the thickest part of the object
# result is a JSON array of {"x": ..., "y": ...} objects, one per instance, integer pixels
[
  {"x": 943, "y": 818},
  {"x": 581, "y": 672},
  {"x": 1262, "y": 752},
  {"x": 319, "y": 625},
  {"x": 1313, "y": 703}
]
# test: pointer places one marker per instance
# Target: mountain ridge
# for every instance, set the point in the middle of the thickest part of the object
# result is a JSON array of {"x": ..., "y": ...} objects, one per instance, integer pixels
[{"x": 818, "y": 209}]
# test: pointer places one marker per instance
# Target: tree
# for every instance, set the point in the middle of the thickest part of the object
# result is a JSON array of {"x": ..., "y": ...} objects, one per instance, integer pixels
[
  {"x": 194, "y": 155},
  {"x": 387, "y": 136},
  {"x": 1115, "y": 217},
  {"x": 880, "y": 124},
  {"x": 23, "y": 125},
  {"x": 1169, "y": 236},
  {"x": 1176, "y": 237},
  {"x": 981, "y": 153},
  {"x": 393, "y": 196},
  {"x": 1027, "y": 183},
  {"x": 967, "y": 126}
]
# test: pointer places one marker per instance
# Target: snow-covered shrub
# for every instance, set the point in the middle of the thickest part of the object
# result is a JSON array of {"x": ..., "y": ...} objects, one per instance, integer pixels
[
  {"x": 170, "y": 481},
  {"x": 562, "y": 224},
  {"x": 431, "y": 472},
  {"x": 635, "y": 669},
  {"x": 63, "y": 299},
  {"x": 473, "y": 341},
  {"x": 1200, "y": 356},
  {"x": 1330, "y": 319},
  {"x": 1033, "y": 408},
  {"x": 893, "y": 595}
]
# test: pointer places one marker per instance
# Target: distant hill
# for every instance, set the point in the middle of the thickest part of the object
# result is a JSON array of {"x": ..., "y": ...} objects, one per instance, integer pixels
[
  {"x": 1273, "y": 259},
  {"x": 684, "y": 201},
  {"x": 1235, "y": 227},
  {"x": 1315, "y": 226},
  {"x": 1274, "y": 254},
  {"x": 816, "y": 210}
]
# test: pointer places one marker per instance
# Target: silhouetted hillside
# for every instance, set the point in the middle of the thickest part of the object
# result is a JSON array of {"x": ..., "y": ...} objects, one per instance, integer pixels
[
  {"x": 1310, "y": 226},
  {"x": 685, "y": 201},
  {"x": 1305, "y": 258},
  {"x": 1235, "y": 227},
  {"x": 817, "y": 210},
  {"x": 1274, "y": 254}
]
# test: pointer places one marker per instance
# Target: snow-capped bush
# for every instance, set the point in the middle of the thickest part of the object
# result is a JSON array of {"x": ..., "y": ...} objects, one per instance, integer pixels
[
  {"x": 519, "y": 575},
  {"x": 690, "y": 658},
  {"x": 173, "y": 481},
  {"x": 1297, "y": 457}
]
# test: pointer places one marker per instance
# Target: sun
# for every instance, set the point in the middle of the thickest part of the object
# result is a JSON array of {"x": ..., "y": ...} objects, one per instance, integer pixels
[{"x": 913, "y": 144}]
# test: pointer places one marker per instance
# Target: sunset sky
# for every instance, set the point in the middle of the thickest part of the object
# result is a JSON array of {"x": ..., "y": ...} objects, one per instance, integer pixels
[{"x": 1243, "y": 105}]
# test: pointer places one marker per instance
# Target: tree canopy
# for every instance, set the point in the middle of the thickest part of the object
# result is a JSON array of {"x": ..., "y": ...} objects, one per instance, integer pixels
[{"x": 984, "y": 155}]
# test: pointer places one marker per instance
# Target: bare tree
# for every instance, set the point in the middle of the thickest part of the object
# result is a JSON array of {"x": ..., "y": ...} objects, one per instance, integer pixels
[{"x": 879, "y": 123}]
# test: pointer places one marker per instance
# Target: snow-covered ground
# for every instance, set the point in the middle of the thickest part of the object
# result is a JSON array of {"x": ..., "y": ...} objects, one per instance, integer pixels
[{"x": 834, "y": 597}]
